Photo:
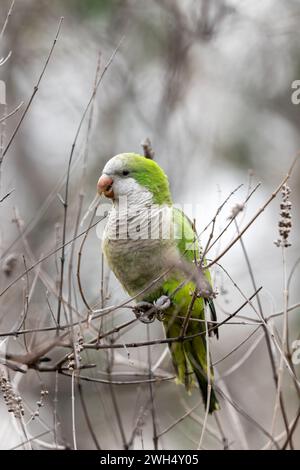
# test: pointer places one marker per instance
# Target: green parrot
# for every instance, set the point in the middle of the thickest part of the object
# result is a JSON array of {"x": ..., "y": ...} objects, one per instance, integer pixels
[{"x": 152, "y": 248}]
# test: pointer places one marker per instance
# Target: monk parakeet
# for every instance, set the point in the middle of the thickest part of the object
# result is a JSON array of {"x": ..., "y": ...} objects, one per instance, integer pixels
[{"x": 152, "y": 248}]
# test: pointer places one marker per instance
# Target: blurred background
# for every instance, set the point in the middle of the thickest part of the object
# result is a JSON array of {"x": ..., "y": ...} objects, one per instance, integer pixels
[{"x": 210, "y": 83}]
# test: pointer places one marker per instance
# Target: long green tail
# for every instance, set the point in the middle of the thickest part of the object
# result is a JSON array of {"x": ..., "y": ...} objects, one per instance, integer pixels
[{"x": 190, "y": 361}]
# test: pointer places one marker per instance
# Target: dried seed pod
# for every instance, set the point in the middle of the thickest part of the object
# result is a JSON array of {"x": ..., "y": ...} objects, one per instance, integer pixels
[
  {"x": 13, "y": 401},
  {"x": 285, "y": 220}
]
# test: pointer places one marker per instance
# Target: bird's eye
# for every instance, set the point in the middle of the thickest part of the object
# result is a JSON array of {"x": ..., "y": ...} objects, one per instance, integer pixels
[{"x": 125, "y": 172}]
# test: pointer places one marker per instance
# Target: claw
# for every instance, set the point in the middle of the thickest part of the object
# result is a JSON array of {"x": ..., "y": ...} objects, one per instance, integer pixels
[{"x": 146, "y": 312}]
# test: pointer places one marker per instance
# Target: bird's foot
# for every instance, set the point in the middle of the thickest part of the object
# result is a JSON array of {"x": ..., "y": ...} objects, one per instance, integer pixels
[{"x": 147, "y": 312}]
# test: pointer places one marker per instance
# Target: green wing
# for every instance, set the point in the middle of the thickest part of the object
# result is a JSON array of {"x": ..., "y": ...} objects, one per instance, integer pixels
[
  {"x": 188, "y": 245},
  {"x": 189, "y": 356}
]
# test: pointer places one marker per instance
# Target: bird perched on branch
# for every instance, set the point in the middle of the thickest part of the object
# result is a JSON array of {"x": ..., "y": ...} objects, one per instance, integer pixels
[{"x": 152, "y": 248}]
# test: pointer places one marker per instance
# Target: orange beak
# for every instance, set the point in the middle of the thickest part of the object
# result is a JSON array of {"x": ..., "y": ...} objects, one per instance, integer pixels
[{"x": 104, "y": 186}]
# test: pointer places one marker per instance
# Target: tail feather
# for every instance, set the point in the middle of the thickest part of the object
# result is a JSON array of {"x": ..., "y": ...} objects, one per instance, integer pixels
[
  {"x": 200, "y": 371},
  {"x": 183, "y": 367},
  {"x": 189, "y": 359},
  {"x": 213, "y": 315}
]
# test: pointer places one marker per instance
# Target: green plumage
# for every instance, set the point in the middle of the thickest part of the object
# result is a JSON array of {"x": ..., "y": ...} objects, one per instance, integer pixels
[
  {"x": 190, "y": 356},
  {"x": 153, "y": 179},
  {"x": 136, "y": 263}
]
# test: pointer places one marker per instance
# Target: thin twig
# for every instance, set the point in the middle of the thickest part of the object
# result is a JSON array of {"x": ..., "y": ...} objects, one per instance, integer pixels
[
  {"x": 6, "y": 195},
  {"x": 73, "y": 410},
  {"x": 86, "y": 415},
  {"x": 7, "y": 19},
  {"x": 35, "y": 90},
  {"x": 260, "y": 211},
  {"x": 66, "y": 196},
  {"x": 209, "y": 386},
  {"x": 11, "y": 113},
  {"x": 153, "y": 413}
]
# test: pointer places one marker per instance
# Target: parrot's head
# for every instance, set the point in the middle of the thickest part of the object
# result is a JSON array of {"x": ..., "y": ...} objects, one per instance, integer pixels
[{"x": 136, "y": 178}]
